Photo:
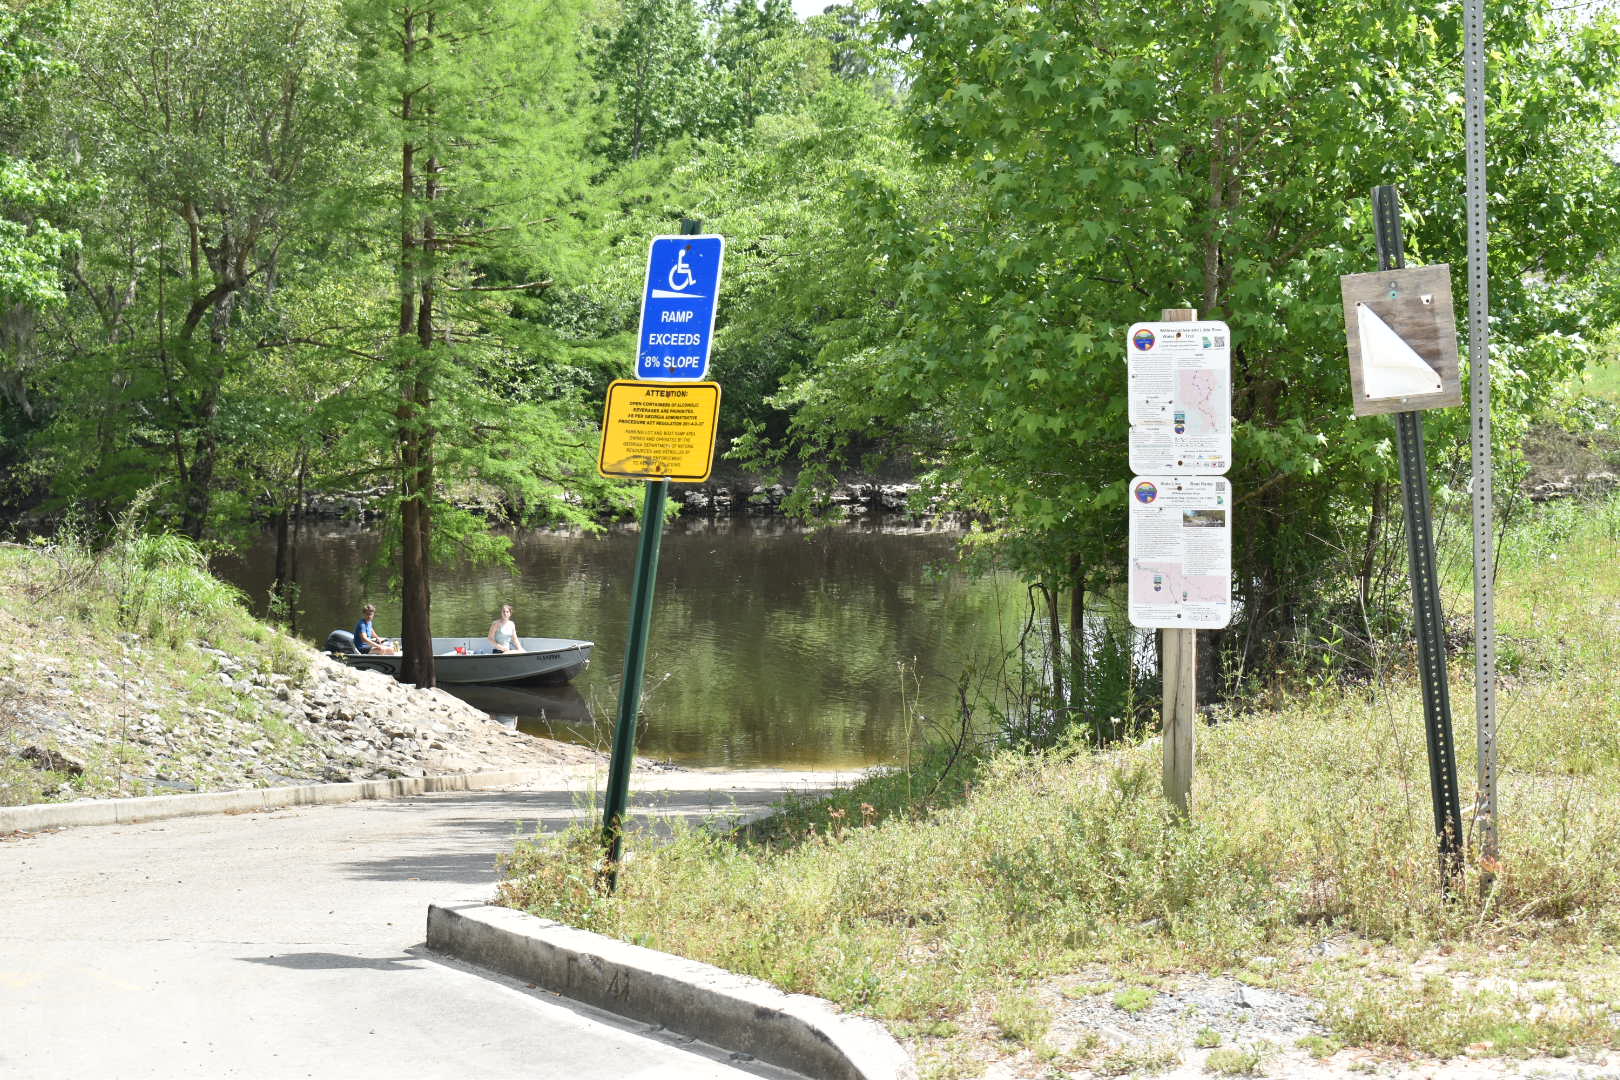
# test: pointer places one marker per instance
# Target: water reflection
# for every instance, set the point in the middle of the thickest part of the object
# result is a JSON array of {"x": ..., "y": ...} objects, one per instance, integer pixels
[
  {"x": 539, "y": 710},
  {"x": 769, "y": 646}
]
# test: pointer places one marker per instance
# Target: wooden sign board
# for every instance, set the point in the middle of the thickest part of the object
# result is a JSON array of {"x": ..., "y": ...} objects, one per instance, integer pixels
[
  {"x": 659, "y": 431},
  {"x": 1402, "y": 333}
]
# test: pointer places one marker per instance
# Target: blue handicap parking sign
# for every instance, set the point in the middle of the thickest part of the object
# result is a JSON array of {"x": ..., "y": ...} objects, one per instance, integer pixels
[{"x": 677, "y": 307}]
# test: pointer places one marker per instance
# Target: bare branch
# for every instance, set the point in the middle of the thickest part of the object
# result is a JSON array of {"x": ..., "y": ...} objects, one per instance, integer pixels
[
  {"x": 546, "y": 284},
  {"x": 282, "y": 342}
]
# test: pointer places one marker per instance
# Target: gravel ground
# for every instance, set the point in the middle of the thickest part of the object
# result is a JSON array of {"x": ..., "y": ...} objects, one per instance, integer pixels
[{"x": 1201, "y": 1026}]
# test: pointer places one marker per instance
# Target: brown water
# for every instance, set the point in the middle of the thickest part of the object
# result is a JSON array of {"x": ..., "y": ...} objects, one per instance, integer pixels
[{"x": 769, "y": 646}]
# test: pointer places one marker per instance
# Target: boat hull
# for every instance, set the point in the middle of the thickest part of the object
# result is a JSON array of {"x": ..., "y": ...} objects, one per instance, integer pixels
[{"x": 549, "y": 661}]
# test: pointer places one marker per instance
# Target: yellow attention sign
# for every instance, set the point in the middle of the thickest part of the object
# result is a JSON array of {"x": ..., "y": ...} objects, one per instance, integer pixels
[{"x": 659, "y": 430}]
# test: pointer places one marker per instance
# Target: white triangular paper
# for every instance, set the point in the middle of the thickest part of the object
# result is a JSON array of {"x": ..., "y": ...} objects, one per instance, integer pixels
[{"x": 1390, "y": 368}]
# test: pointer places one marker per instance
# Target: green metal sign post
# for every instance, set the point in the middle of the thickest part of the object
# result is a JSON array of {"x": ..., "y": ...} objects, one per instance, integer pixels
[
  {"x": 616, "y": 803},
  {"x": 635, "y": 662}
]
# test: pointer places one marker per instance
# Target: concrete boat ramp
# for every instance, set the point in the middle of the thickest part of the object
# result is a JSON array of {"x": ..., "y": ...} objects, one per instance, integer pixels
[{"x": 291, "y": 942}]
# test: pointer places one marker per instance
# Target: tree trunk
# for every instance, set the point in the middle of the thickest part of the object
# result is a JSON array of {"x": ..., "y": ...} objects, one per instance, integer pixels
[
  {"x": 278, "y": 582},
  {"x": 199, "y": 487},
  {"x": 1055, "y": 646},
  {"x": 1369, "y": 556},
  {"x": 416, "y": 518},
  {"x": 1217, "y": 199},
  {"x": 199, "y": 484},
  {"x": 297, "y": 538},
  {"x": 415, "y": 438},
  {"x": 1077, "y": 635},
  {"x": 288, "y": 523},
  {"x": 416, "y": 634},
  {"x": 1208, "y": 676}
]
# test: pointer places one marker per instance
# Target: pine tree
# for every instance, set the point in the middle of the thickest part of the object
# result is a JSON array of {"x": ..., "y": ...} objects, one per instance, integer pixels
[{"x": 482, "y": 102}]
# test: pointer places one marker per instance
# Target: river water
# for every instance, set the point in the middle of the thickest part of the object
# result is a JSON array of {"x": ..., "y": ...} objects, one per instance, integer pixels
[{"x": 770, "y": 646}]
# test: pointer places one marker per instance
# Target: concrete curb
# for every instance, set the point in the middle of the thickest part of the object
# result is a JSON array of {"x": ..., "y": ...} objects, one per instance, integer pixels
[
  {"x": 727, "y": 1010},
  {"x": 157, "y": 807}
]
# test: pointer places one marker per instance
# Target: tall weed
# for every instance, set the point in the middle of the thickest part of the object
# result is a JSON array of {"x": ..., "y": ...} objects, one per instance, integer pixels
[
  {"x": 168, "y": 593},
  {"x": 155, "y": 585}
]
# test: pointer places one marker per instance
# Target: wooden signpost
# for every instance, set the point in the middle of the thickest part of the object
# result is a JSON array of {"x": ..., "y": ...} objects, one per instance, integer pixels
[
  {"x": 1178, "y": 670},
  {"x": 1180, "y": 548}
]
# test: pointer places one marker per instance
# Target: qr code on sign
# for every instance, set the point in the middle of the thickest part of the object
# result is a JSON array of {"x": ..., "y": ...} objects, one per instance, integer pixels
[{"x": 1220, "y": 341}]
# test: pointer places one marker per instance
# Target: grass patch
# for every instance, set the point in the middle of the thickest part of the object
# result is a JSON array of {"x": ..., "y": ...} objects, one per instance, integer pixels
[
  {"x": 1233, "y": 1062},
  {"x": 1438, "y": 1018},
  {"x": 1021, "y": 1018},
  {"x": 155, "y": 587},
  {"x": 1084, "y": 990},
  {"x": 1319, "y": 1046},
  {"x": 1134, "y": 999},
  {"x": 1602, "y": 379},
  {"x": 279, "y": 730},
  {"x": 929, "y": 1029},
  {"x": 1137, "y": 1061},
  {"x": 941, "y": 776},
  {"x": 1575, "y": 444},
  {"x": 1311, "y": 819}
]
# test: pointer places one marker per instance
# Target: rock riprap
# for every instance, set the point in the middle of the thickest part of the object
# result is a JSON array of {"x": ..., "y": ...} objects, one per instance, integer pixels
[{"x": 104, "y": 730}]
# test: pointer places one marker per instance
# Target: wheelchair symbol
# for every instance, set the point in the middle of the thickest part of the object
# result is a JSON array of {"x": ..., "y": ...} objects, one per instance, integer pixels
[{"x": 681, "y": 270}]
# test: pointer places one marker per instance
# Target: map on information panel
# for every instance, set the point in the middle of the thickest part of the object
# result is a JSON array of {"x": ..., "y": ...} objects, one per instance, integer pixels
[
  {"x": 1180, "y": 552},
  {"x": 1179, "y": 399}
]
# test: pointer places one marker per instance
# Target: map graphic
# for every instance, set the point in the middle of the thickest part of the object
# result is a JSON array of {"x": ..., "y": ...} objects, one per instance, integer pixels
[
  {"x": 1201, "y": 395},
  {"x": 1166, "y": 583}
]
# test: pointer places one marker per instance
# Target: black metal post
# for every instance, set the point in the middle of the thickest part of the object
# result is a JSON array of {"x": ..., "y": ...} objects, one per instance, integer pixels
[{"x": 1429, "y": 621}]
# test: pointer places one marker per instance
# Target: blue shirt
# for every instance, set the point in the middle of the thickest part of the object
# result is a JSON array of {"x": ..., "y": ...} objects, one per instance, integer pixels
[{"x": 362, "y": 635}]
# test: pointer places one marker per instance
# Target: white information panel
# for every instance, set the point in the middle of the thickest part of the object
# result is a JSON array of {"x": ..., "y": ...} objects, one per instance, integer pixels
[
  {"x": 1181, "y": 552},
  {"x": 1180, "y": 397}
]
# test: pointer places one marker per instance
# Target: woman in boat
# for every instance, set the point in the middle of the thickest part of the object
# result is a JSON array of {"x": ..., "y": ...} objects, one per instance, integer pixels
[{"x": 503, "y": 632}]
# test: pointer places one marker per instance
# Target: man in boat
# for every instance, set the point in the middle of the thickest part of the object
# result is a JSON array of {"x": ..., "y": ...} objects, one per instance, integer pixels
[{"x": 365, "y": 635}]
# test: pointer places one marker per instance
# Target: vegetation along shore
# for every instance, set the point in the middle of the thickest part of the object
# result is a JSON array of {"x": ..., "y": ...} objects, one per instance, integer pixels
[{"x": 1041, "y": 914}]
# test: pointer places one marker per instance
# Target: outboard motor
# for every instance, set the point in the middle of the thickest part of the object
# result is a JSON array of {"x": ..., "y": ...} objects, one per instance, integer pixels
[{"x": 340, "y": 641}]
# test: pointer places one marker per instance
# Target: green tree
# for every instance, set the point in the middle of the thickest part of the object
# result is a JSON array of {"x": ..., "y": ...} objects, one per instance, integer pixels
[
  {"x": 762, "y": 164},
  {"x": 1082, "y": 166},
  {"x": 649, "y": 64},
  {"x": 680, "y": 69},
  {"x": 214, "y": 131},
  {"x": 30, "y": 244},
  {"x": 484, "y": 106},
  {"x": 33, "y": 198},
  {"x": 777, "y": 195}
]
